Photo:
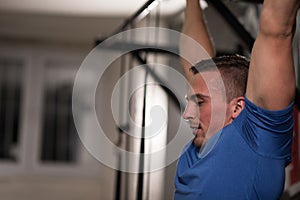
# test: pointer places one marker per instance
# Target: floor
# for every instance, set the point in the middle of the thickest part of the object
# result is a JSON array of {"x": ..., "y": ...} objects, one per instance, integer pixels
[{"x": 49, "y": 188}]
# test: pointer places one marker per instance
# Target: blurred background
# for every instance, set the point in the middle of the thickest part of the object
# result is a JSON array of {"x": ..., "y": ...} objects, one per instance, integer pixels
[{"x": 42, "y": 45}]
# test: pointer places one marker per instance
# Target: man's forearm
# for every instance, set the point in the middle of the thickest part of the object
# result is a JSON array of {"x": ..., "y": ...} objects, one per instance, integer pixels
[{"x": 194, "y": 26}]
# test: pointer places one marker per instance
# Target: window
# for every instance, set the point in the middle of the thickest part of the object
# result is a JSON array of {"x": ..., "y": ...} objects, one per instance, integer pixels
[
  {"x": 58, "y": 129},
  {"x": 11, "y": 71}
]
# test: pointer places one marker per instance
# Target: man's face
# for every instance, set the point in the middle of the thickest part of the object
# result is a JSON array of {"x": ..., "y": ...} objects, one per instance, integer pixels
[{"x": 206, "y": 106}]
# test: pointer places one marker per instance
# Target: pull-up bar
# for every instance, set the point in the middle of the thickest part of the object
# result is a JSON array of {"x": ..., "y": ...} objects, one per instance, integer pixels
[
  {"x": 234, "y": 22},
  {"x": 144, "y": 10},
  {"x": 219, "y": 6},
  {"x": 141, "y": 13},
  {"x": 252, "y": 1}
]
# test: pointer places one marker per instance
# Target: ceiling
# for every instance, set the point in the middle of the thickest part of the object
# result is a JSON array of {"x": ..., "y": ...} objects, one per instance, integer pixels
[
  {"x": 70, "y": 21},
  {"x": 85, "y": 8}
]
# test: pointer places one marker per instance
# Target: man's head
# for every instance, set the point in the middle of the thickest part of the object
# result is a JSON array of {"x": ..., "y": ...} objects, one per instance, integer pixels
[
  {"x": 211, "y": 76},
  {"x": 234, "y": 72}
]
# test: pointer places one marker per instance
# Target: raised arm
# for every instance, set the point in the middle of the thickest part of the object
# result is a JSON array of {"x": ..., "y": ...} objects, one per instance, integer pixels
[
  {"x": 194, "y": 26},
  {"x": 271, "y": 80}
]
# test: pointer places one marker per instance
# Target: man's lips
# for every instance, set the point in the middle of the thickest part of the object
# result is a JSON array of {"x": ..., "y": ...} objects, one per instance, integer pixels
[
  {"x": 195, "y": 126},
  {"x": 195, "y": 129}
]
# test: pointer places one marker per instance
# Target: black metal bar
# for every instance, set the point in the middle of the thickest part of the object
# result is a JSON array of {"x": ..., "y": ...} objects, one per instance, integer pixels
[
  {"x": 124, "y": 46},
  {"x": 118, "y": 183},
  {"x": 249, "y": 1},
  {"x": 130, "y": 21},
  {"x": 170, "y": 94},
  {"x": 140, "y": 189},
  {"x": 150, "y": 49},
  {"x": 118, "y": 180},
  {"x": 234, "y": 23},
  {"x": 133, "y": 18}
]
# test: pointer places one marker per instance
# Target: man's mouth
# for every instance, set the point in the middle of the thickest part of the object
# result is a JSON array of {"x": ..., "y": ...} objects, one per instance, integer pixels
[{"x": 195, "y": 129}]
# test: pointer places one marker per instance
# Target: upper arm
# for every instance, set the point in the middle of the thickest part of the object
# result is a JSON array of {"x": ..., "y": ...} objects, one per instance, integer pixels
[{"x": 271, "y": 79}]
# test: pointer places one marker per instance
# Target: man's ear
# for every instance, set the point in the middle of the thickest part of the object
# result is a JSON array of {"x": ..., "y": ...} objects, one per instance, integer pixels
[{"x": 238, "y": 104}]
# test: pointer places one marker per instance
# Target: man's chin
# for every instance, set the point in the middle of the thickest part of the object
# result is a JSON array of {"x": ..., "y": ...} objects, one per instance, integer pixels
[{"x": 198, "y": 142}]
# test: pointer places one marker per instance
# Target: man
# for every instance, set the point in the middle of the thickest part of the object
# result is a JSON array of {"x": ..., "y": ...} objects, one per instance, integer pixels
[{"x": 243, "y": 136}]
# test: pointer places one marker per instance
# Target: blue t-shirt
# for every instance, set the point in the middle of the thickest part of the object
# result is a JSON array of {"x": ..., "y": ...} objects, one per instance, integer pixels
[{"x": 246, "y": 160}]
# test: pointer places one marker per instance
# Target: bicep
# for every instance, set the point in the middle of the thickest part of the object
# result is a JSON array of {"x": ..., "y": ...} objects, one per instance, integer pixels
[{"x": 271, "y": 79}]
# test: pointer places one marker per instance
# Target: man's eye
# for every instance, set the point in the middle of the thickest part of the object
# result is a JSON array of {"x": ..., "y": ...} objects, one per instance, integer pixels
[{"x": 199, "y": 103}]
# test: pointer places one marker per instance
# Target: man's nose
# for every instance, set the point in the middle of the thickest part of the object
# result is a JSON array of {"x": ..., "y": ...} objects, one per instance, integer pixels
[{"x": 190, "y": 112}]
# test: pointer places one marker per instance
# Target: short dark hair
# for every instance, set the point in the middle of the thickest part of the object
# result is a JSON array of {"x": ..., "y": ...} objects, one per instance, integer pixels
[{"x": 233, "y": 70}]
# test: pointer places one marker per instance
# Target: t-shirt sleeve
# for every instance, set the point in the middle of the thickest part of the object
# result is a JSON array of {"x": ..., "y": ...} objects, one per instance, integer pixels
[{"x": 269, "y": 133}]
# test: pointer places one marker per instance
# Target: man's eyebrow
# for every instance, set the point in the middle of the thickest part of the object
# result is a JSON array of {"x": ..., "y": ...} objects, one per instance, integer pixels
[{"x": 197, "y": 96}]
